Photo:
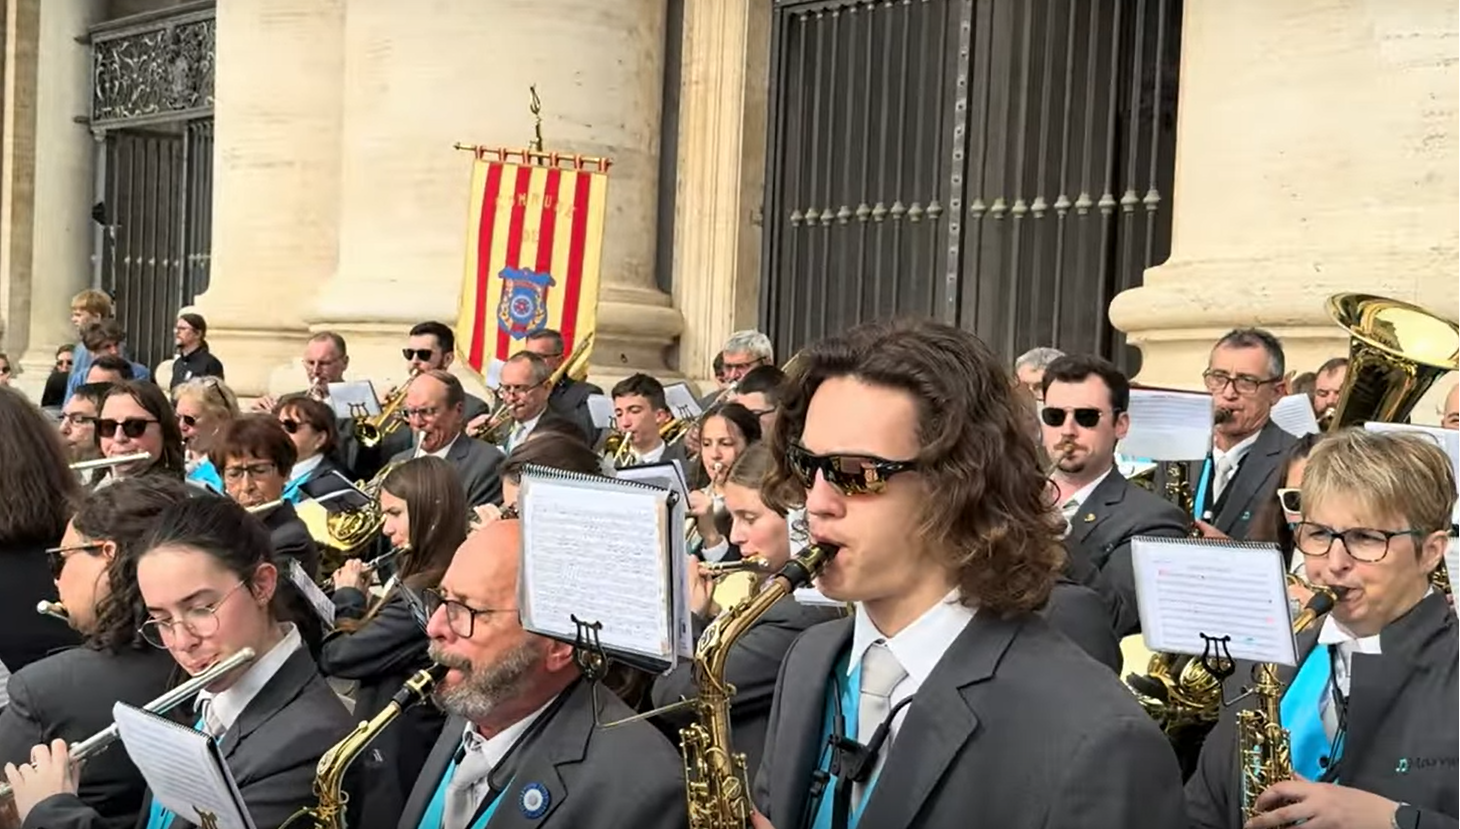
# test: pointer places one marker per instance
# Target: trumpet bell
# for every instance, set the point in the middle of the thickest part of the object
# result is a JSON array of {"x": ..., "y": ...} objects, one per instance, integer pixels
[{"x": 1396, "y": 353}]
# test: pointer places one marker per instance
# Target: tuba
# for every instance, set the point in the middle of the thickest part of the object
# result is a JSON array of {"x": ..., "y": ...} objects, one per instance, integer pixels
[
  {"x": 1396, "y": 353},
  {"x": 370, "y": 431},
  {"x": 499, "y": 420}
]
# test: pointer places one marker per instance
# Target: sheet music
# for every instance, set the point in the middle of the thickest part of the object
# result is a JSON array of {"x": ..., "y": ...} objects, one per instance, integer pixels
[
  {"x": 682, "y": 402},
  {"x": 356, "y": 399},
  {"x": 182, "y": 768},
  {"x": 1294, "y": 414},
  {"x": 600, "y": 408},
  {"x": 664, "y": 474},
  {"x": 1448, "y": 440},
  {"x": 317, "y": 599},
  {"x": 1187, "y": 587},
  {"x": 1168, "y": 425},
  {"x": 598, "y": 552}
]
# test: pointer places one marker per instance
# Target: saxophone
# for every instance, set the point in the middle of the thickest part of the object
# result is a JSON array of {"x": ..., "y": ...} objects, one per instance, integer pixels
[
  {"x": 715, "y": 776},
  {"x": 329, "y": 775},
  {"x": 1263, "y": 750}
]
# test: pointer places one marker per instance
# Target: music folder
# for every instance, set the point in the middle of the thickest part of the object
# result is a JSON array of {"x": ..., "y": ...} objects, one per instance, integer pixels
[{"x": 184, "y": 769}]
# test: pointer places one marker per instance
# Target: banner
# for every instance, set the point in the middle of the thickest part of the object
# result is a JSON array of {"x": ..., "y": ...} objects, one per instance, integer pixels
[{"x": 534, "y": 245}]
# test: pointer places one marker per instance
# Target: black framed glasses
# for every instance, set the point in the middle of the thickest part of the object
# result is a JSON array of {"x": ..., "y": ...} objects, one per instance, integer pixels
[
  {"x": 422, "y": 354},
  {"x": 1290, "y": 499},
  {"x": 1085, "y": 418},
  {"x": 848, "y": 474},
  {"x": 76, "y": 419},
  {"x": 187, "y": 420},
  {"x": 57, "y": 555},
  {"x": 460, "y": 617},
  {"x": 132, "y": 427},
  {"x": 1245, "y": 384},
  {"x": 1362, "y": 543},
  {"x": 201, "y": 622},
  {"x": 253, "y": 470}
]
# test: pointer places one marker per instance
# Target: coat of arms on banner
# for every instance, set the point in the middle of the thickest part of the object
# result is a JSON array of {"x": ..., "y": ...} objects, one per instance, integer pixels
[{"x": 522, "y": 309}]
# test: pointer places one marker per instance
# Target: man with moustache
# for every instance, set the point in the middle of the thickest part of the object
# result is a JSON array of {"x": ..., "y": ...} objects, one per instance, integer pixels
[
  {"x": 434, "y": 410},
  {"x": 524, "y": 386},
  {"x": 522, "y": 745},
  {"x": 1245, "y": 376},
  {"x": 568, "y": 398},
  {"x": 1084, "y": 415},
  {"x": 1327, "y": 385}
]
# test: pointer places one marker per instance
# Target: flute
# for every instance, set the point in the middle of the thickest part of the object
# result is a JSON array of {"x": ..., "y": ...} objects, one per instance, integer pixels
[
  {"x": 107, "y": 463},
  {"x": 168, "y": 701},
  {"x": 55, "y": 609}
]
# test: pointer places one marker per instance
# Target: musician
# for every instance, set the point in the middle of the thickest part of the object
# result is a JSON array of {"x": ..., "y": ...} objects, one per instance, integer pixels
[
  {"x": 1328, "y": 385},
  {"x": 78, "y": 422},
  {"x": 37, "y": 488},
  {"x": 1245, "y": 376},
  {"x": 311, "y": 426},
  {"x": 193, "y": 360},
  {"x": 434, "y": 408},
  {"x": 87, "y": 307},
  {"x": 1275, "y": 519},
  {"x": 524, "y": 388},
  {"x": 136, "y": 417},
  {"x": 743, "y": 351},
  {"x": 1450, "y": 417},
  {"x": 69, "y": 695},
  {"x": 914, "y": 461},
  {"x": 760, "y": 391},
  {"x": 1029, "y": 369},
  {"x": 207, "y": 577},
  {"x": 555, "y": 450},
  {"x": 522, "y": 740},
  {"x": 569, "y": 398},
  {"x": 325, "y": 361},
  {"x": 109, "y": 368},
  {"x": 641, "y": 412},
  {"x": 1084, "y": 416},
  {"x": 205, "y": 407},
  {"x": 755, "y": 659},
  {"x": 380, "y": 642},
  {"x": 1371, "y": 711},
  {"x": 725, "y": 431}
]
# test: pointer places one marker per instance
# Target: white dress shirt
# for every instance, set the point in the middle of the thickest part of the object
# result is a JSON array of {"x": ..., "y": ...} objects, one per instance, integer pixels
[
  {"x": 520, "y": 431},
  {"x": 492, "y": 750},
  {"x": 1233, "y": 458},
  {"x": 918, "y": 648},
  {"x": 304, "y": 467},
  {"x": 229, "y": 704},
  {"x": 1346, "y": 645},
  {"x": 440, "y": 453},
  {"x": 1072, "y": 504},
  {"x": 652, "y": 456}
]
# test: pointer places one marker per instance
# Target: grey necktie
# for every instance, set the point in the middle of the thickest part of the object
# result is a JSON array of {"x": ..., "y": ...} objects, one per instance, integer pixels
[
  {"x": 1068, "y": 510},
  {"x": 209, "y": 718},
  {"x": 1221, "y": 476},
  {"x": 461, "y": 792},
  {"x": 881, "y": 672}
]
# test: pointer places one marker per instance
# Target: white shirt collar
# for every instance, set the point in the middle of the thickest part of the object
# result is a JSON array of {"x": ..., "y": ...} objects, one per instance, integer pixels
[
  {"x": 1238, "y": 452},
  {"x": 1083, "y": 494},
  {"x": 921, "y": 645},
  {"x": 440, "y": 453},
  {"x": 229, "y": 705},
  {"x": 1334, "y": 633},
  {"x": 304, "y": 467},
  {"x": 495, "y": 748},
  {"x": 653, "y": 455}
]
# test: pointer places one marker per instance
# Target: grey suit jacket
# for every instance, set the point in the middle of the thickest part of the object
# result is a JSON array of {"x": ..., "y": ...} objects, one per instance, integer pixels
[
  {"x": 1014, "y": 728},
  {"x": 608, "y": 778},
  {"x": 272, "y": 751},
  {"x": 1403, "y": 725},
  {"x": 1083, "y": 617},
  {"x": 1099, "y": 542},
  {"x": 69, "y": 696},
  {"x": 1255, "y": 482},
  {"x": 478, "y": 465}
]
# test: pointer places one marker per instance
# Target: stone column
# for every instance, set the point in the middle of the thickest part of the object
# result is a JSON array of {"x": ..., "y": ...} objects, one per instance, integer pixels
[
  {"x": 417, "y": 83},
  {"x": 721, "y": 175},
  {"x": 1316, "y": 153},
  {"x": 276, "y": 186},
  {"x": 17, "y": 178}
]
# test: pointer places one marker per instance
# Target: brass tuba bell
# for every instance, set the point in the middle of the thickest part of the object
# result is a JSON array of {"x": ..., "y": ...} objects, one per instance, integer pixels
[{"x": 1396, "y": 353}]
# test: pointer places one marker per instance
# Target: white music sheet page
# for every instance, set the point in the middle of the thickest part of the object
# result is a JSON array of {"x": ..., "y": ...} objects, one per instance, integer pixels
[
  {"x": 1168, "y": 425},
  {"x": 597, "y": 551},
  {"x": 1189, "y": 587},
  {"x": 323, "y": 606},
  {"x": 1294, "y": 415},
  {"x": 182, "y": 768},
  {"x": 682, "y": 402},
  {"x": 354, "y": 399},
  {"x": 600, "y": 408},
  {"x": 1447, "y": 439}
]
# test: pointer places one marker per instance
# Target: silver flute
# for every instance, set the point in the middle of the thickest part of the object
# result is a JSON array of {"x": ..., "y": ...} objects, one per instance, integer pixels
[
  {"x": 168, "y": 701},
  {"x": 107, "y": 463}
]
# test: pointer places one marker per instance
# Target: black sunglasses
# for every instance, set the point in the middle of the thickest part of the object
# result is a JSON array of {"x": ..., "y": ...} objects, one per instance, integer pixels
[
  {"x": 848, "y": 474},
  {"x": 1085, "y": 418},
  {"x": 422, "y": 354},
  {"x": 58, "y": 555},
  {"x": 131, "y": 427},
  {"x": 186, "y": 420},
  {"x": 290, "y": 424}
]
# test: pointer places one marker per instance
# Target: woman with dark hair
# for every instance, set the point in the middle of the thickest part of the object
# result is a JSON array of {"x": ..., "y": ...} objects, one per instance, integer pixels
[
  {"x": 69, "y": 695},
  {"x": 207, "y": 578},
  {"x": 311, "y": 426},
  {"x": 36, "y": 488},
  {"x": 380, "y": 642},
  {"x": 725, "y": 431},
  {"x": 136, "y": 417}
]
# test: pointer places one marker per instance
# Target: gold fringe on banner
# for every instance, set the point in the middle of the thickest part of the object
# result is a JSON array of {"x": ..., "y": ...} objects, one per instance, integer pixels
[{"x": 508, "y": 155}]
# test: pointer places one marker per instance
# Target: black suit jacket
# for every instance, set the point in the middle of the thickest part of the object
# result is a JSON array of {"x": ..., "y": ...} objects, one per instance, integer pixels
[
  {"x": 272, "y": 751},
  {"x": 69, "y": 696},
  {"x": 292, "y": 540},
  {"x": 1255, "y": 483},
  {"x": 323, "y": 481},
  {"x": 1098, "y": 543},
  {"x": 1403, "y": 726},
  {"x": 1014, "y": 728},
  {"x": 479, "y": 466},
  {"x": 569, "y": 399},
  {"x": 752, "y": 665},
  {"x": 596, "y": 778},
  {"x": 1083, "y": 616},
  {"x": 25, "y": 579}
]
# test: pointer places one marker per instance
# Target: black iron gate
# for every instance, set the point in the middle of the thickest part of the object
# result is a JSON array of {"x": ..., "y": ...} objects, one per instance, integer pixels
[
  {"x": 152, "y": 107},
  {"x": 1003, "y": 165}
]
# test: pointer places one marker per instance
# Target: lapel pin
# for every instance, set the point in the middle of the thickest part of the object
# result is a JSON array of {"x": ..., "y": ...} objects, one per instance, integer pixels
[
  {"x": 1403, "y": 767},
  {"x": 1089, "y": 518},
  {"x": 534, "y": 801},
  {"x": 1247, "y": 516}
]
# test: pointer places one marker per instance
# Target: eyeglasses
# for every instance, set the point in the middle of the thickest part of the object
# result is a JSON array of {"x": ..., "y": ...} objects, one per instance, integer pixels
[
  {"x": 58, "y": 555},
  {"x": 1362, "y": 543},
  {"x": 1245, "y": 384},
  {"x": 424, "y": 411},
  {"x": 201, "y": 622},
  {"x": 848, "y": 474},
  {"x": 461, "y": 618},
  {"x": 290, "y": 425},
  {"x": 132, "y": 427},
  {"x": 1290, "y": 500},
  {"x": 77, "y": 419},
  {"x": 422, "y": 354},
  {"x": 254, "y": 470},
  {"x": 515, "y": 390},
  {"x": 189, "y": 421},
  {"x": 1085, "y": 418}
]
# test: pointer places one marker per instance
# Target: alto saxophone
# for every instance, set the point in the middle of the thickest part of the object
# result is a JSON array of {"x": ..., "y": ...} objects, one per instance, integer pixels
[
  {"x": 1263, "y": 750},
  {"x": 329, "y": 775},
  {"x": 714, "y": 774}
]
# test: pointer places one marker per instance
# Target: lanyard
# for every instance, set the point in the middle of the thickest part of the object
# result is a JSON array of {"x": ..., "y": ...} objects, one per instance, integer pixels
[
  {"x": 436, "y": 809},
  {"x": 838, "y": 812}
]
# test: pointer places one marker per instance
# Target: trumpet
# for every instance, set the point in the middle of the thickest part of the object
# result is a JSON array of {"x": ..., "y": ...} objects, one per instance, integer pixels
[
  {"x": 54, "y": 609},
  {"x": 720, "y": 569},
  {"x": 108, "y": 463},
  {"x": 370, "y": 431},
  {"x": 168, "y": 701}
]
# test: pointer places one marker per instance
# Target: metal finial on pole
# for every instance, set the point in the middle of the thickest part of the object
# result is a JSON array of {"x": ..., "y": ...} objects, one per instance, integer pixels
[{"x": 536, "y": 109}]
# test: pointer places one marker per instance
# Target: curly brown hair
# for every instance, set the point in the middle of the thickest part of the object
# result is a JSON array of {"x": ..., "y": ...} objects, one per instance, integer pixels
[{"x": 991, "y": 523}]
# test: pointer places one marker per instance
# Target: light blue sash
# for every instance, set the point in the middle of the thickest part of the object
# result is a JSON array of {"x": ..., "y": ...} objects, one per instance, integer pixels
[
  {"x": 1302, "y": 716},
  {"x": 436, "y": 809},
  {"x": 851, "y": 696},
  {"x": 1198, "y": 505}
]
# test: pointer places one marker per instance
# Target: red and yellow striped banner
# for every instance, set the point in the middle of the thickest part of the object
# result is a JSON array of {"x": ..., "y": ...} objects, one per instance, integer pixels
[{"x": 534, "y": 245}]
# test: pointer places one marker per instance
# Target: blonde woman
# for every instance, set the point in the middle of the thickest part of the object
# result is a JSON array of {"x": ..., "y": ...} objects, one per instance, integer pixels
[{"x": 204, "y": 408}]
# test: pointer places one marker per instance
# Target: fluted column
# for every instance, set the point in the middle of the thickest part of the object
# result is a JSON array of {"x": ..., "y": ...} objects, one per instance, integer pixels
[
  {"x": 416, "y": 83},
  {"x": 721, "y": 174},
  {"x": 276, "y": 189},
  {"x": 1316, "y": 153}
]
